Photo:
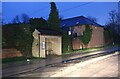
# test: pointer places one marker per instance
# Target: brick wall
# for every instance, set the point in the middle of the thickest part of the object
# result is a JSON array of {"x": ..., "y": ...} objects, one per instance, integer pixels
[
  {"x": 97, "y": 38},
  {"x": 77, "y": 44},
  {"x": 8, "y": 53}
]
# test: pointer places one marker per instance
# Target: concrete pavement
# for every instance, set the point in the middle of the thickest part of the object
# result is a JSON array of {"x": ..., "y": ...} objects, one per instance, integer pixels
[{"x": 22, "y": 67}]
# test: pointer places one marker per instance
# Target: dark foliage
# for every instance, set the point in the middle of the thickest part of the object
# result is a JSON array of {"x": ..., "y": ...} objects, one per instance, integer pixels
[
  {"x": 53, "y": 20},
  {"x": 38, "y": 23},
  {"x": 25, "y": 18},
  {"x": 113, "y": 27},
  {"x": 18, "y": 36},
  {"x": 87, "y": 34}
]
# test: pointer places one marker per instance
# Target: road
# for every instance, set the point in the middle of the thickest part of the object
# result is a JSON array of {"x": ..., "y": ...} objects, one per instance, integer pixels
[
  {"x": 106, "y": 66},
  {"x": 43, "y": 66}
]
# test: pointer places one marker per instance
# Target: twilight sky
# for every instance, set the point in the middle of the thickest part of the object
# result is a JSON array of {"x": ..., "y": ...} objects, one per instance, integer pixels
[{"x": 99, "y": 10}]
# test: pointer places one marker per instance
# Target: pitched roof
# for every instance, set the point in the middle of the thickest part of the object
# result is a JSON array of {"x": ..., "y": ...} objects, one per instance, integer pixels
[
  {"x": 44, "y": 31},
  {"x": 80, "y": 20}
]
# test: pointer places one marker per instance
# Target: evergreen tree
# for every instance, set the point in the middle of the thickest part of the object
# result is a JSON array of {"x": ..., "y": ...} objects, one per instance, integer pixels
[
  {"x": 53, "y": 20},
  {"x": 87, "y": 34}
]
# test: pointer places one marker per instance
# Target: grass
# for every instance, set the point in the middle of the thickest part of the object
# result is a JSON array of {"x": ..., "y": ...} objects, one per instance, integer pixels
[
  {"x": 88, "y": 49},
  {"x": 17, "y": 59}
]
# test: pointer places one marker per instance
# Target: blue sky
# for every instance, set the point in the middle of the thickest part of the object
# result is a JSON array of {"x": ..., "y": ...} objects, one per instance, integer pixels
[{"x": 99, "y": 10}]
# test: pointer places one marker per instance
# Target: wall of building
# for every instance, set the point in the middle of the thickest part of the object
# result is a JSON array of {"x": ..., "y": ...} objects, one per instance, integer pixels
[
  {"x": 77, "y": 44},
  {"x": 97, "y": 38},
  {"x": 78, "y": 29},
  {"x": 56, "y": 45}
]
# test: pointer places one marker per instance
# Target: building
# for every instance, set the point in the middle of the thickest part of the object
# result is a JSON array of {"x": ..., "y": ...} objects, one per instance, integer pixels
[
  {"x": 75, "y": 27},
  {"x": 46, "y": 42}
]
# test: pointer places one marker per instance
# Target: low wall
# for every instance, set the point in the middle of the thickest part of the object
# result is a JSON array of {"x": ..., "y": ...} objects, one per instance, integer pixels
[{"x": 8, "y": 53}]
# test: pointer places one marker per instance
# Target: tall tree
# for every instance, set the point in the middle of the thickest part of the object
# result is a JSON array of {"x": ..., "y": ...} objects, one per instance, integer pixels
[
  {"x": 16, "y": 19},
  {"x": 113, "y": 25},
  {"x": 113, "y": 17},
  {"x": 25, "y": 18},
  {"x": 53, "y": 20},
  {"x": 113, "y": 22}
]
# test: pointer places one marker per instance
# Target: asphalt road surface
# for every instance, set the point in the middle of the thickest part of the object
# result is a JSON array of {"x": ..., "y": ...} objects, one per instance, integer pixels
[
  {"x": 99, "y": 67},
  {"x": 104, "y": 68}
]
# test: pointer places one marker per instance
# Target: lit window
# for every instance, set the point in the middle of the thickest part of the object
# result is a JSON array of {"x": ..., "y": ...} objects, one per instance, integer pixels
[
  {"x": 43, "y": 45},
  {"x": 69, "y": 32}
]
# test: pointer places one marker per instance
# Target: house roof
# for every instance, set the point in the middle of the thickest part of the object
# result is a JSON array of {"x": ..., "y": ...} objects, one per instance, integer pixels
[
  {"x": 44, "y": 31},
  {"x": 80, "y": 20}
]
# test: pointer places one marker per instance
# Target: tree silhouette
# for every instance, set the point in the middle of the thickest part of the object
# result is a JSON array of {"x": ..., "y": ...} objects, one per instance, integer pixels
[
  {"x": 25, "y": 18},
  {"x": 53, "y": 20},
  {"x": 38, "y": 23},
  {"x": 16, "y": 19}
]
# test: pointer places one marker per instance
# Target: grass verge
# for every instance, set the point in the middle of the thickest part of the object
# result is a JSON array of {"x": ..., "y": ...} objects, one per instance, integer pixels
[{"x": 88, "y": 49}]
